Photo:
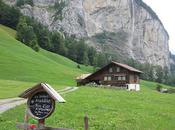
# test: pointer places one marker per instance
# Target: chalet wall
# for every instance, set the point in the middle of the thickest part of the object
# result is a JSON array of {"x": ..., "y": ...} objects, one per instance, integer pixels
[{"x": 114, "y": 75}]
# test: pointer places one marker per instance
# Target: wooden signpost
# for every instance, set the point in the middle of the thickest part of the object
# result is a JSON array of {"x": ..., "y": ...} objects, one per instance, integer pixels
[{"x": 40, "y": 105}]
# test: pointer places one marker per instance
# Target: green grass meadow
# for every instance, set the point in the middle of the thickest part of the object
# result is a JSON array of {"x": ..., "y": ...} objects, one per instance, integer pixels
[
  {"x": 107, "y": 109},
  {"x": 19, "y": 63}
]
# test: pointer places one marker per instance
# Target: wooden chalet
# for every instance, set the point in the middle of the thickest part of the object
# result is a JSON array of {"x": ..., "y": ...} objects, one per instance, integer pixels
[{"x": 114, "y": 74}]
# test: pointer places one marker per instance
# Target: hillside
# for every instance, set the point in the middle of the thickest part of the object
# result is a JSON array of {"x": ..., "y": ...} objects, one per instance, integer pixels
[
  {"x": 128, "y": 27},
  {"x": 20, "y": 63}
]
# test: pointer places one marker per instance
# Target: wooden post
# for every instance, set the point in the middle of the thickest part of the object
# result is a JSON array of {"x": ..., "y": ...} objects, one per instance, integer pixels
[
  {"x": 86, "y": 122},
  {"x": 26, "y": 120},
  {"x": 41, "y": 124}
]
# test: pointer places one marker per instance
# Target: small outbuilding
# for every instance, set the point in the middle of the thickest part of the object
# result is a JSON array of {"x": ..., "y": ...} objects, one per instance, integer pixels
[{"x": 114, "y": 74}]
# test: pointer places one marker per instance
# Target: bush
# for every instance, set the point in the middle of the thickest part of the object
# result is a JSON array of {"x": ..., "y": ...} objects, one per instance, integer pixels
[
  {"x": 9, "y": 16},
  {"x": 171, "y": 90},
  {"x": 78, "y": 66},
  {"x": 159, "y": 87}
]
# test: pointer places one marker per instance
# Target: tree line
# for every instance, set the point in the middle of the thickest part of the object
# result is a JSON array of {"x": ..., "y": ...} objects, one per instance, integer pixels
[{"x": 154, "y": 72}]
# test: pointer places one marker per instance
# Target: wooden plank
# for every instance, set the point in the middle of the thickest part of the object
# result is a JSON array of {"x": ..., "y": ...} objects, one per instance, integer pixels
[{"x": 53, "y": 93}]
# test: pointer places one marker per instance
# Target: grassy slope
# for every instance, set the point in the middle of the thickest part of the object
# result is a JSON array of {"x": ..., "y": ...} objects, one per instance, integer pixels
[
  {"x": 20, "y": 63},
  {"x": 108, "y": 109},
  {"x": 10, "y": 31}
]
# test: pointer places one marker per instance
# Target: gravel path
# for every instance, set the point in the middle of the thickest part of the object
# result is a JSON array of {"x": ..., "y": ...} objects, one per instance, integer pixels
[{"x": 6, "y": 104}]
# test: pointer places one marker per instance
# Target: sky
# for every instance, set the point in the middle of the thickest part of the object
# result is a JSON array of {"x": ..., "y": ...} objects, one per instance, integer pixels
[{"x": 165, "y": 10}]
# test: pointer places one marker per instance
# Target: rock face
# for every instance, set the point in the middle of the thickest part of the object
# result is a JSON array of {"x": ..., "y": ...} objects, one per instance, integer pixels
[{"x": 126, "y": 27}]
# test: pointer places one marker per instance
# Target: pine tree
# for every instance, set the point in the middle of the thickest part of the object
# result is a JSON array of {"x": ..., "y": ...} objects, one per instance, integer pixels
[
  {"x": 58, "y": 45},
  {"x": 25, "y": 34}
]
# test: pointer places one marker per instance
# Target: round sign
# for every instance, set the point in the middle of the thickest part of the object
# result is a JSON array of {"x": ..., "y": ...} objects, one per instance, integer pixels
[{"x": 41, "y": 105}]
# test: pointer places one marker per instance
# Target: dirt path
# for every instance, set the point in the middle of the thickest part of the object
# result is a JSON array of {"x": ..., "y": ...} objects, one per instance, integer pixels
[{"x": 6, "y": 104}]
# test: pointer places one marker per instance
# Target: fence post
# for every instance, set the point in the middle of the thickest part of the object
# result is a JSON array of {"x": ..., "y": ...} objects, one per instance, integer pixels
[
  {"x": 41, "y": 124},
  {"x": 86, "y": 122},
  {"x": 26, "y": 120}
]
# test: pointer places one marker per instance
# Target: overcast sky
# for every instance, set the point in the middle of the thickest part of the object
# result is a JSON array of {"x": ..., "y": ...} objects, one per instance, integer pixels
[{"x": 165, "y": 9}]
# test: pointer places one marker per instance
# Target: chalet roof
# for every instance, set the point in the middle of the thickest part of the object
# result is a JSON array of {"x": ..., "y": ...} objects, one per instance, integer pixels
[
  {"x": 119, "y": 64},
  {"x": 43, "y": 86},
  {"x": 127, "y": 67},
  {"x": 83, "y": 76}
]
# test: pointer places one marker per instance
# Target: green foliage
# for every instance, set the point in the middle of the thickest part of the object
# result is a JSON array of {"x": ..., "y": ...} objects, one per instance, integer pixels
[
  {"x": 80, "y": 52},
  {"x": 85, "y": 58},
  {"x": 171, "y": 90},
  {"x": 92, "y": 56},
  {"x": 105, "y": 37},
  {"x": 20, "y": 3},
  {"x": 101, "y": 60},
  {"x": 26, "y": 34},
  {"x": 78, "y": 66},
  {"x": 34, "y": 45},
  {"x": 159, "y": 74},
  {"x": 9, "y": 16},
  {"x": 58, "y": 45},
  {"x": 154, "y": 73},
  {"x": 159, "y": 87}
]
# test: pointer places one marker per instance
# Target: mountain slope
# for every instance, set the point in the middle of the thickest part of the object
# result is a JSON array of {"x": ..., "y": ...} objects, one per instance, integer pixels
[
  {"x": 19, "y": 62},
  {"x": 127, "y": 27}
]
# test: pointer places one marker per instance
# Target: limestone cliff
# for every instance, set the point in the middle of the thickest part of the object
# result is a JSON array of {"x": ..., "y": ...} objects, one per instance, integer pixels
[{"x": 126, "y": 27}]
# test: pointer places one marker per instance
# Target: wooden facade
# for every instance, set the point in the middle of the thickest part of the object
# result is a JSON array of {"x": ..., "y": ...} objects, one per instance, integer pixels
[{"x": 114, "y": 74}]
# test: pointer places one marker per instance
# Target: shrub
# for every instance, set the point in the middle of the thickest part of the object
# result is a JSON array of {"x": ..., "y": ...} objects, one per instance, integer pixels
[
  {"x": 171, "y": 90},
  {"x": 78, "y": 66},
  {"x": 159, "y": 87}
]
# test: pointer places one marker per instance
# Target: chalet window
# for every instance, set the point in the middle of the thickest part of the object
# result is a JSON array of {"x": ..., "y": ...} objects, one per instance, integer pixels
[
  {"x": 109, "y": 78},
  {"x": 110, "y": 70},
  {"x": 119, "y": 78},
  {"x": 123, "y": 77},
  {"x": 118, "y": 69},
  {"x": 105, "y": 78}
]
